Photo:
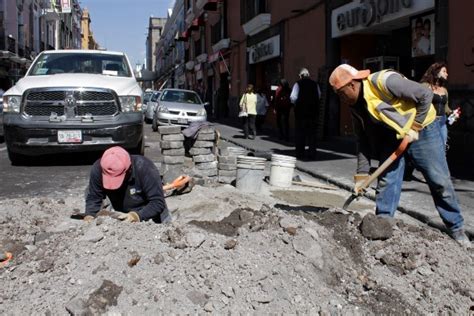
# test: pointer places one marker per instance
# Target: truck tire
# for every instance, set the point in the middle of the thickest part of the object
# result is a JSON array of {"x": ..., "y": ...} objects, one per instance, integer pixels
[
  {"x": 16, "y": 159},
  {"x": 140, "y": 149},
  {"x": 154, "y": 124}
]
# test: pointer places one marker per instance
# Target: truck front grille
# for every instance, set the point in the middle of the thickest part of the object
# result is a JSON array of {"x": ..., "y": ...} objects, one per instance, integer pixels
[{"x": 70, "y": 102}]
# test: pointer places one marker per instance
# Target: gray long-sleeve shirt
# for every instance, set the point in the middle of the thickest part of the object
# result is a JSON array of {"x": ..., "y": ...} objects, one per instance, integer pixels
[
  {"x": 375, "y": 136},
  {"x": 141, "y": 192}
]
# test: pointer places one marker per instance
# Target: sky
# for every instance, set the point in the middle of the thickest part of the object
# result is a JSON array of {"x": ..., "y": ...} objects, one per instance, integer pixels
[{"x": 122, "y": 25}]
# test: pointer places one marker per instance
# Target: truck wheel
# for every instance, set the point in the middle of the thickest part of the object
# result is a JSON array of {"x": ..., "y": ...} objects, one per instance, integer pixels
[
  {"x": 154, "y": 124},
  {"x": 140, "y": 149},
  {"x": 16, "y": 159}
]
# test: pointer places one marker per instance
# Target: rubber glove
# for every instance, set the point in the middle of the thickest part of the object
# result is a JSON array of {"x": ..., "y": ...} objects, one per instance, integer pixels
[
  {"x": 413, "y": 135},
  {"x": 130, "y": 217},
  {"x": 359, "y": 179}
]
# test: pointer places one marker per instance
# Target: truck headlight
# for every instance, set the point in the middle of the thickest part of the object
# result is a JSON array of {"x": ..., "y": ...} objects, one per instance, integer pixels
[
  {"x": 11, "y": 104},
  {"x": 163, "y": 109},
  {"x": 131, "y": 104},
  {"x": 201, "y": 112}
]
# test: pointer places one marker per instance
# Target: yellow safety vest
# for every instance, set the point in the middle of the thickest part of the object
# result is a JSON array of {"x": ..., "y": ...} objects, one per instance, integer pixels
[{"x": 397, "y": 113}]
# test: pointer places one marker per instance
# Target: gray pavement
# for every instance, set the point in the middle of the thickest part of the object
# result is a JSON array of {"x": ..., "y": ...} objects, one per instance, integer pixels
[{"x": 336, "y": 163}]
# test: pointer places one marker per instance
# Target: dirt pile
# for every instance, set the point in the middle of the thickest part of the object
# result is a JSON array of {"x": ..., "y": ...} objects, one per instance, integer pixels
[{"x": 227, "y": 253}]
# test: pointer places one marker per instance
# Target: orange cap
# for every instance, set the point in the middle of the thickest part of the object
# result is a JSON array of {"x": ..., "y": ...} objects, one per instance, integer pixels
[
  {"x": 114, "y": 162},
  {"x": 344, "y": 74}
]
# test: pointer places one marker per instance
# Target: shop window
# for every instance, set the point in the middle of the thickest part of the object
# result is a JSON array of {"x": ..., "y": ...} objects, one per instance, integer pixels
[{"x": 251, "y": 8}]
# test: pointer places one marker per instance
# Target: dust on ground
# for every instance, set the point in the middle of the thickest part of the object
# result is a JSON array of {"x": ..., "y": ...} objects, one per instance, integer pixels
[{"x": 283, "y": 251}]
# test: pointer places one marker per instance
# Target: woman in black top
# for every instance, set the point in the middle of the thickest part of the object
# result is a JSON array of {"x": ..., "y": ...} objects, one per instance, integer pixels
[{"x": 435, "y": 78}]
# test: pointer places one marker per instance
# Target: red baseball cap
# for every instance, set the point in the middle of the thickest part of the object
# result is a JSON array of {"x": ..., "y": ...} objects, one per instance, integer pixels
[
  {"x": 344, "y": 74},
  {"x": 114, "y": 162}
]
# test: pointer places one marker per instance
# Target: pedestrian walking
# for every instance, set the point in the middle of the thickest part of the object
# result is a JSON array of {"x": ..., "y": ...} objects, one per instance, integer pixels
[
  {"x": 248, "y": 105},
  {"x": 262, "y": 107},
  {"x": 305, "y": 96},
  {"x": 131, "y": 182},
  {"x": 386, "y": 107},
  {"x": 281, "y": 107}
]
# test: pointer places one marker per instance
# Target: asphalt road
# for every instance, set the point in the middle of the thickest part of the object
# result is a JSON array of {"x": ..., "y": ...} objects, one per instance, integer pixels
[{"x": 55, "y": 175}]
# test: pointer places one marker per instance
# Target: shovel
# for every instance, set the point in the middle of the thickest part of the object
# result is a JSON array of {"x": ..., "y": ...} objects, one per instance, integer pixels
[{"x": 394, "y": 156}]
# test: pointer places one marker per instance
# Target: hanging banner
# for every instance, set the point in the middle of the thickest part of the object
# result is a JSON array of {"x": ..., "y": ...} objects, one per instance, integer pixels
[{"x": 66, "y": 6}]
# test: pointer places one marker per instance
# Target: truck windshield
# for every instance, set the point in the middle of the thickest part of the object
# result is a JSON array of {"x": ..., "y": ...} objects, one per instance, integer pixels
[{"x": 87, "y": 63}]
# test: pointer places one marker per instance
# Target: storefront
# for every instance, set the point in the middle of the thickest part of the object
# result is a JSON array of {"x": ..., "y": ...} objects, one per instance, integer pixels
[
  {"x": 375, "y": 35},
  {"x": 263, "y": 56}
]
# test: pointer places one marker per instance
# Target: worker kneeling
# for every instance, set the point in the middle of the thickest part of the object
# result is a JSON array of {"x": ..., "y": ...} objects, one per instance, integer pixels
[{"x": 131, "y": 182}]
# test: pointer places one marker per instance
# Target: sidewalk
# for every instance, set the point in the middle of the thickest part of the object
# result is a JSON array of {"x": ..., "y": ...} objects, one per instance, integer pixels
[{"x": 336, "y": 163}]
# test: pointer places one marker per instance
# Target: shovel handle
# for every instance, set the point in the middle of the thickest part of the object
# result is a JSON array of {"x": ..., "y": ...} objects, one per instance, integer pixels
[{"x": 394, "y": 156}]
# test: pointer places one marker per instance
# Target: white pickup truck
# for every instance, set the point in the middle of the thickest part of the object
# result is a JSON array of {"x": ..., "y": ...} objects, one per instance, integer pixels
[{"x": 74, "y": 101}]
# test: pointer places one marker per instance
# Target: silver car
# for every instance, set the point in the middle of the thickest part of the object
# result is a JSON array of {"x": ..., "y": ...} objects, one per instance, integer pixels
[
  {"x": 151, "y": 106},
  {"x": 179, "y": 107}
]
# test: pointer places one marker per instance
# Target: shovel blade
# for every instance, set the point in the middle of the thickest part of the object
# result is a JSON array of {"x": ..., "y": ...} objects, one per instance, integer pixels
[{"x": 349, "y": 201}]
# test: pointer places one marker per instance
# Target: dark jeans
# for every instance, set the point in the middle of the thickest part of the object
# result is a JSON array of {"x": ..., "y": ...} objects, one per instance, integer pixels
[
  {"x": 428, "y": 156},
  {"x": 249, "y": 125},
  {"x": 283, "y": 122},
  {"x": 305, "y": 134}
]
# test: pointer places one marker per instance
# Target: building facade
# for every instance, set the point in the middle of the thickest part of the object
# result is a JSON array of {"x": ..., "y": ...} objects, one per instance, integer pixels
[
  {"x": 88, "y": 41},
  {"x": 28, "y": 27}
]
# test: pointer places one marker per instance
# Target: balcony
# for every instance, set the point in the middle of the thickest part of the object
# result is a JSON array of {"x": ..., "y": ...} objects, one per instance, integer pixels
[{"x": 257, "y": 24}]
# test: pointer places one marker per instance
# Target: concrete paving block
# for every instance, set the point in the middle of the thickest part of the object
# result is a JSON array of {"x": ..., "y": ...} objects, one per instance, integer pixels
[
  {"x": 227, "y": 159},
  {"x": 173, "y": 160},
  {"x": 227, "y": 166},
  {"x": 207, "y": 129},
  {"x": 206, "y": 136},
  {"x": 172, "y": 137},
  {"x": 165, "y": 144},
  {"x": 164, "y": 130},
  {"x": 203, "y": 144},
  {"x": 206, "y": 165},
  {"x": 173, "y": 152},
  {"x": 200, "y": 151},
  {"x": 204, "y": 158},
  {"x": 206, "y": 173},
  {"x": 228, "y": 173}
]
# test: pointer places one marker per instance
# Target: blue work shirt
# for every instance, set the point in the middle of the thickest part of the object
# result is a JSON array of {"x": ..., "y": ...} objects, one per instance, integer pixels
[{"x": 141, "y": 192}]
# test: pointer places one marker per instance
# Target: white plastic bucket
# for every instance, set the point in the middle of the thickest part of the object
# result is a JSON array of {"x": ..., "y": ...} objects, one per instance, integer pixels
[
  {"x": 281, "y": 172},
  {"x": 249, "y": 173}
]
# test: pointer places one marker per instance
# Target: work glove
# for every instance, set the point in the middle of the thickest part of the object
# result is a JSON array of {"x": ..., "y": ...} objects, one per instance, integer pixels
[
  {"x": 412, "y": 135},
  {"x": 130, "y": 217},
  {"x": 88, "y": 218},
  {"x": 359, "y": 179}
]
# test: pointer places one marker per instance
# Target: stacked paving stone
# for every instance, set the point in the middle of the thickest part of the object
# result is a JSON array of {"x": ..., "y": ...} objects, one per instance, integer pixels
[
  {"x": 203, "y": 153},
  {"x": 172, "y": 149},
  {"x": 228, "y": 163}
]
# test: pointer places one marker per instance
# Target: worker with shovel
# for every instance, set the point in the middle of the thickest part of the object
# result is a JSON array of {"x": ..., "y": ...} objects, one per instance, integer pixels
[
  {"x": 385, "y": 108},
  {"x": 133, "y": 185}
]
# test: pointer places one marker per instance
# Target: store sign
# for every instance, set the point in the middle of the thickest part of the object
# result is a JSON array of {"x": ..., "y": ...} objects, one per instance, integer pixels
[
  {"x": 269, "y": 48},
  {"x": 66, "y": 6},
  {"x": 369, "y": 14}
]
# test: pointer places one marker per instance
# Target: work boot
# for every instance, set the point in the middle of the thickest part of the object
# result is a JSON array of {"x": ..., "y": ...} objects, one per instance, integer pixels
[{"x": 461, "y": 238}]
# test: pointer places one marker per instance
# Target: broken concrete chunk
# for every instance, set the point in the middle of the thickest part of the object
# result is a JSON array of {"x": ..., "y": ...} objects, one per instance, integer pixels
[
  {"x": 376, "y": 228},
  {"x": 77, "y": 307},
  {"x": 106, "y": 295},
  {"x": 93, "y": 234},
  {"x": 230, "y": 244}
]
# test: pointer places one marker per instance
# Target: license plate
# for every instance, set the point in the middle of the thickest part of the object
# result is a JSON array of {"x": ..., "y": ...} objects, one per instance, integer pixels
[
  {"x": 182, "y": 121},
  {"x": 71, "y": 137}
]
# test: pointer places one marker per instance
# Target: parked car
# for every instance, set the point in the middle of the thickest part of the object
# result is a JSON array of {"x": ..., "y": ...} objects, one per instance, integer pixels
[
  {"x": 74, "y": 101},
  {"x": 146, "y": 97},
  {"x": 179, "y": 107},
  {"x": 151, "y": 106}
]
